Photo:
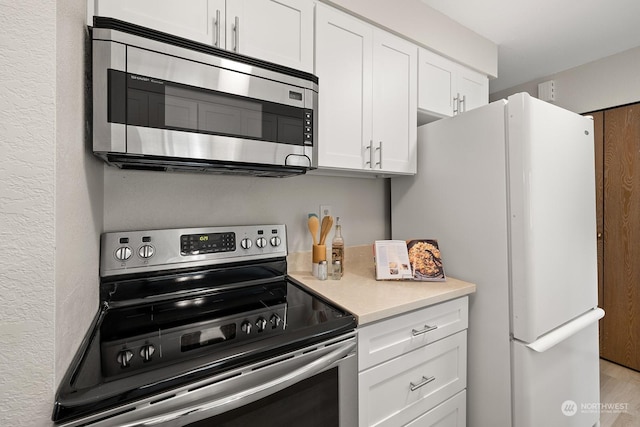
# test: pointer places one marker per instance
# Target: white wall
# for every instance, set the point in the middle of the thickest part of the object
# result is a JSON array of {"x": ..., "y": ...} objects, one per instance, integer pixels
[
  {"x": 27, "y": 226},
  {"x": 415, "y": 20},
  {"x": 607, "y": 82},
  {"x": 50, "y": 204},
  {"x": 144, "y": 200},
  {"x": 79, "y": 188}
]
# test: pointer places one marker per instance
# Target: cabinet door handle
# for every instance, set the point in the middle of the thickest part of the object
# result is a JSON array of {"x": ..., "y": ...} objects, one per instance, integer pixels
[
  {"x": 426, "y": 329},
  {"x": 422, "y": 383},
  {"x": 217, "y": 29},
  {"x": 370, "y": 161},
  {"x": 456, "y": 104},
  {"x": 236, "y": 35},
  {"x": 380, "y": 156},
  {"x": 464, "y": 104}
]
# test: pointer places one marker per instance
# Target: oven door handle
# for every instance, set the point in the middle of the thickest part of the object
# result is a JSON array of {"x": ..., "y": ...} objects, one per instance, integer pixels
[{"x": 205, "y": 410}]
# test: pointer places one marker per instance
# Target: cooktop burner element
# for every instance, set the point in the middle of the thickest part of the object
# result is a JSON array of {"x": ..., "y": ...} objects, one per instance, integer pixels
[{"x": 181, "y": 305}]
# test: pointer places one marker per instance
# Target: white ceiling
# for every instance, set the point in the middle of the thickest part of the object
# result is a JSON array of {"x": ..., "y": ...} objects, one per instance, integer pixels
[{"x": 537, "y": 38}]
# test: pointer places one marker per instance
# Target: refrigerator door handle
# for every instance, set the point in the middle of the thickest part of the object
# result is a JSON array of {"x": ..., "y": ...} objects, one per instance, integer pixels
[{"x": 556, "y": 336}]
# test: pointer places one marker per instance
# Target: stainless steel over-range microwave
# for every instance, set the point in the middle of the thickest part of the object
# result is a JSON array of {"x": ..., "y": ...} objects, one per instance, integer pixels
[{"x": 161, "y": 102}]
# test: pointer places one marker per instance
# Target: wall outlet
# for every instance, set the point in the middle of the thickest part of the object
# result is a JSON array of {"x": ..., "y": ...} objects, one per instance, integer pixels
[{"x": 325, "y": 210}]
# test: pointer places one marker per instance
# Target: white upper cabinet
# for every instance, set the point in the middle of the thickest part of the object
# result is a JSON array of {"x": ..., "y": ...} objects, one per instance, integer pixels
[
  {"x": 368, "y": 96},
  {"x": 435, "y": 83},
  {"x": 343, "y": 66},
  {"x": 446, "y": 88},
  {"x": 193, "y": 20},
  {"x": 276, "y": 31},
  {"x": 473, "y": 88},
  {"x": 395, "y": 103},
  {"x": 279, "y": 31}
]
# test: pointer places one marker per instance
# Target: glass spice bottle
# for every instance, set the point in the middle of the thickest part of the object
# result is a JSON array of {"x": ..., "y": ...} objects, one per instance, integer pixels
[
  {"x": 337, "y": 247},
  {"x": 336, "y": 272},
  {"x": 322, "y": 270}
]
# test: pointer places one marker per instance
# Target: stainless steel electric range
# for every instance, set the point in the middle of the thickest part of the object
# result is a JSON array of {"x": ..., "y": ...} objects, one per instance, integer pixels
[{"x": 202, "y": 326}]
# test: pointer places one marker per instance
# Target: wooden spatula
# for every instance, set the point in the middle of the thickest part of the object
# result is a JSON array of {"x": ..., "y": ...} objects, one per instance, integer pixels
[{"x": 313, "y": 224}]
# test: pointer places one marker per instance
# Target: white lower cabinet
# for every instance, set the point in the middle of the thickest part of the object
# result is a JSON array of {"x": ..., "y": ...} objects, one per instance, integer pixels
[
  {"x": 451, "y": 413},
  {"x": 413, "y": 368}
]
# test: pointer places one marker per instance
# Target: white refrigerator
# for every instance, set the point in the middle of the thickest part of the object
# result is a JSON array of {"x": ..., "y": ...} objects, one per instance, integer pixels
[{"x": 508, "y": 190}]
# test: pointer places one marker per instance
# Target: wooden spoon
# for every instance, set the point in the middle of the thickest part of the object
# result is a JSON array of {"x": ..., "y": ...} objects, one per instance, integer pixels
[
  {"x": 313, "y": 224},
  {"x": 327, "y": 223}
]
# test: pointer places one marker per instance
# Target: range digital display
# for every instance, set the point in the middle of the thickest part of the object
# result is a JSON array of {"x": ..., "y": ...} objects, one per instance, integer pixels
[
  {"x": 195, "y": 244},
  {"x": 208, "y": 336}
]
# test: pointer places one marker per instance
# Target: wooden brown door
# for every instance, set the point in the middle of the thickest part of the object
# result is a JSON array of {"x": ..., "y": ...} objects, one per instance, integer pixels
[{"x": 620, "y": 292}]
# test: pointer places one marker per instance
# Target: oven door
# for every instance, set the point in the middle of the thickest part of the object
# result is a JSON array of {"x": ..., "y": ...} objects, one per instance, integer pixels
[{"x": 313, "y": 386}]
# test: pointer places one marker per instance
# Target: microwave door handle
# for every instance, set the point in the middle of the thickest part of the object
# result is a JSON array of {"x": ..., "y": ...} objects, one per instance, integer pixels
[{"x": 246, "y": 395}]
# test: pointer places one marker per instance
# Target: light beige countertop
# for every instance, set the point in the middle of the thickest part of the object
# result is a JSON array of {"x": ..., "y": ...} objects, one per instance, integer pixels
[{"x": 369, "y": 299}]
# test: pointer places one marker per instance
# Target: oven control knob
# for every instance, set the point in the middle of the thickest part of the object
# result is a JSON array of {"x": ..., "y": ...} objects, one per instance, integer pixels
[
  {"x": 147, "y": 351},
  {"x": 246, "y": 327},
  {"x": 146, "y": 251},
  {"x": 124, "y": 357},
  {"x": 261, "y": 242},
  {"x": 261, "y": 323},
  {"x": 246, "y": 243},
  {"x": 275, "y": 321},
  {"x": 123, "y": 253},
  {"x": 275, "y": 241}
]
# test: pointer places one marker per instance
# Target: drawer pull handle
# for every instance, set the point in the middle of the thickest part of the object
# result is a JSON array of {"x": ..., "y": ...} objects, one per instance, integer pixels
[
  {"x": 422, "y": 383},
  {"x": 426, "y": 329}
]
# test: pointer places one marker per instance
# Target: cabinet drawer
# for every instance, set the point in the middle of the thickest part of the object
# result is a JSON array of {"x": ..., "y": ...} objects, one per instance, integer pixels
[
  {"x": 390, "y": 338},
  {"x": 452, "y": 413},
  {"x": 400, "y": 390}
]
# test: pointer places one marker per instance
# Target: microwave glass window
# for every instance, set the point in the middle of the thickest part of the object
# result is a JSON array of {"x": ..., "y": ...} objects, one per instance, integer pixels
[
  {"x": 166, "y": 105},
  {"x": 236, "y": 117},
  {"x": 289, "y": 129}
]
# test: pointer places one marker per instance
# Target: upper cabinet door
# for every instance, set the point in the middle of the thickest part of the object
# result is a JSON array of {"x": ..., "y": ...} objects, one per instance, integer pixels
[
  {"x": 395, "y": 64},
  {"x": 343, "y": 66},
  {"x": 368, "y": 99},
  {"x": 278, "y": 31},
  {"x": 195, "y": 20},
  {"x": 446, "y": 88},
  {"x": 473, "y": 87},
  {"x": 436, "y": 84}
]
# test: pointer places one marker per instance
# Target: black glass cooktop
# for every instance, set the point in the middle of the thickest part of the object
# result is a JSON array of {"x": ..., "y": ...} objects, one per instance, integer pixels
[{"x": 153, "y": 334}]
